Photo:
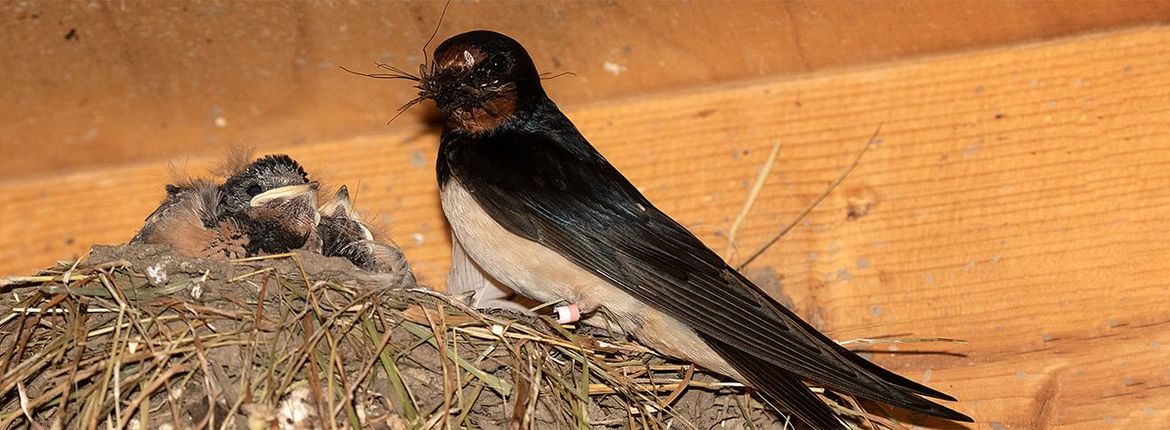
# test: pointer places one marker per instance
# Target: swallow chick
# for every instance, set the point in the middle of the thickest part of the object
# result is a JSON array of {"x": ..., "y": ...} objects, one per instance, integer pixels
[
  {"x": 344, "y": 234},
  {"x": 265, "y": 207},
  {"x": 540, "y": 210},
  {"x": 190, "y": 221},
  {"x": 273, "y": 200}
]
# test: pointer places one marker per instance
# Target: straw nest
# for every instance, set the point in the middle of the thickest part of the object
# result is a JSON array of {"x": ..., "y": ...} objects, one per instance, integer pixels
[{"x": 136, "y": 337}]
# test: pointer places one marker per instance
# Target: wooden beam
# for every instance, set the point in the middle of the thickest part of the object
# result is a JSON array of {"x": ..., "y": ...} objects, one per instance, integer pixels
[
  {"x": 1017, "y": 199},
  {"x": 109, "y": 83}
]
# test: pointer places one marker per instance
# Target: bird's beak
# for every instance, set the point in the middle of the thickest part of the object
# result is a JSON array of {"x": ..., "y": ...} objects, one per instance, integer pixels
[
  {"x": 285, "y": 193},
  {"x": 340, "y": 201}
]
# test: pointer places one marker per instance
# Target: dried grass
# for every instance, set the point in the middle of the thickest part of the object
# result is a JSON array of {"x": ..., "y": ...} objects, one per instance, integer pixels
[{"x": 136, "y": 337}]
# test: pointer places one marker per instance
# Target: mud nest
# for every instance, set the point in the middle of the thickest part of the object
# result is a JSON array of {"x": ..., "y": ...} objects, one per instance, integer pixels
[{"x": 138, "y": 337}]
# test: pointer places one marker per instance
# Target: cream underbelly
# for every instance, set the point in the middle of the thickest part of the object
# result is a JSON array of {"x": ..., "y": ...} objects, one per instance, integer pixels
[
  {"x": 543, "y": 275},
  {"x": 523, "y": 265}
]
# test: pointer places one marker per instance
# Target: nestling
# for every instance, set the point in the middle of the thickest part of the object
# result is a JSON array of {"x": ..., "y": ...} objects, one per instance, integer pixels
[
  {"x": 267, "y": 206},
  {"x": 344, "y": 234}
]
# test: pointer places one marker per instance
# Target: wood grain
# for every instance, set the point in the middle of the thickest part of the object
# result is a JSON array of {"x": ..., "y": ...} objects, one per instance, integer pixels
[
  {"x": 1017, "y": 199},
  {"x": 104, "y": 83}
]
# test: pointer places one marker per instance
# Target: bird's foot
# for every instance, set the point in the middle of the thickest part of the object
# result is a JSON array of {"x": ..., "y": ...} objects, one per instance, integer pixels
[{"x": 567, "y": 314}]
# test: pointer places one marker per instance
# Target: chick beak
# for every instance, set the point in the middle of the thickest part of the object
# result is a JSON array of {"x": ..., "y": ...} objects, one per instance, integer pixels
[{"x": 289, "y": 192}]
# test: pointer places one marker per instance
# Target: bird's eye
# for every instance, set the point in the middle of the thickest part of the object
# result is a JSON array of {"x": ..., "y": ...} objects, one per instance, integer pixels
[
  {"x": 254, "y": 190},
  {"x": 497, "y": 67}
]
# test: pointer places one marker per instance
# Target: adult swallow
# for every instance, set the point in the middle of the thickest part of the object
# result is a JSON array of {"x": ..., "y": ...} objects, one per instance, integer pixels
[
  {"x": 268, "y": 206},
  {"x": 344, "y": 234},
  {"x": 465, "y": 276},
  {"x": 540, "y": 210}
]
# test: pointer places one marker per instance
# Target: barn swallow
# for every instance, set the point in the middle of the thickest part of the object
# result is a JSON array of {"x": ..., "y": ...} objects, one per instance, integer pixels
[
  {"x": 265, "y": 207},
  {"x": 465, "y": 276},
  {"x": 344, "y": 234},
  {"x": 540, "y": 210}
]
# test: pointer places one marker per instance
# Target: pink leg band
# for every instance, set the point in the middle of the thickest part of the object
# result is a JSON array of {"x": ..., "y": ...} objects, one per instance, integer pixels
[{"x": 569, "y": 313}]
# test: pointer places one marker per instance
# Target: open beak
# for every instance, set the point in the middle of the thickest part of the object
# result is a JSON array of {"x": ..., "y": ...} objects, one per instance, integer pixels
[{"x": 285, "y": 193}]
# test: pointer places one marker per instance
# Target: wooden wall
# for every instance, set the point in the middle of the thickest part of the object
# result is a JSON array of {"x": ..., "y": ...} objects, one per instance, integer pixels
[
  {"x": 1017, "y": 197},
  {"x": 110, "y": 82}
]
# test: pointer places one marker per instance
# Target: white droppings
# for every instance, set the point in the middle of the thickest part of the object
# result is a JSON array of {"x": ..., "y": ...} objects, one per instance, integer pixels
[
  {"x": 418, "y": 238},
  {"x": 613, "y": 68},
  {"x": 197, "y": 286},
  {"x": 156, "y": 274},
  {"x": 296, "y": 410}
]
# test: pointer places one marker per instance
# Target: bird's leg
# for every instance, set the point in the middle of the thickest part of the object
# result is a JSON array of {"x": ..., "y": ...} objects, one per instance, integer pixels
[
  {"x": 571, "y": 311},
  {"x": 567, "y": 314}
]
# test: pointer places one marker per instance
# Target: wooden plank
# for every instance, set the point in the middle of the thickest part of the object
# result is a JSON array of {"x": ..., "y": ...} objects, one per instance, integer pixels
[
  {"x": 106, "y": 83},
  {"x": 1017, "y": 200}
]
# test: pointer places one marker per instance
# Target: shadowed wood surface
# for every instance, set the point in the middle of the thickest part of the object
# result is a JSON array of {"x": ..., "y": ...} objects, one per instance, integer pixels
[
  {"x": 1016, "y": 198},
  {"x": 109, "y": 82}
]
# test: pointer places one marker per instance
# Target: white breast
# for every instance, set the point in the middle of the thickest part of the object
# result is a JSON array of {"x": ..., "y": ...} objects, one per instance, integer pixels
[
  {"x": 544, "y": 275},
  {"x": 526, "y": 266}
]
